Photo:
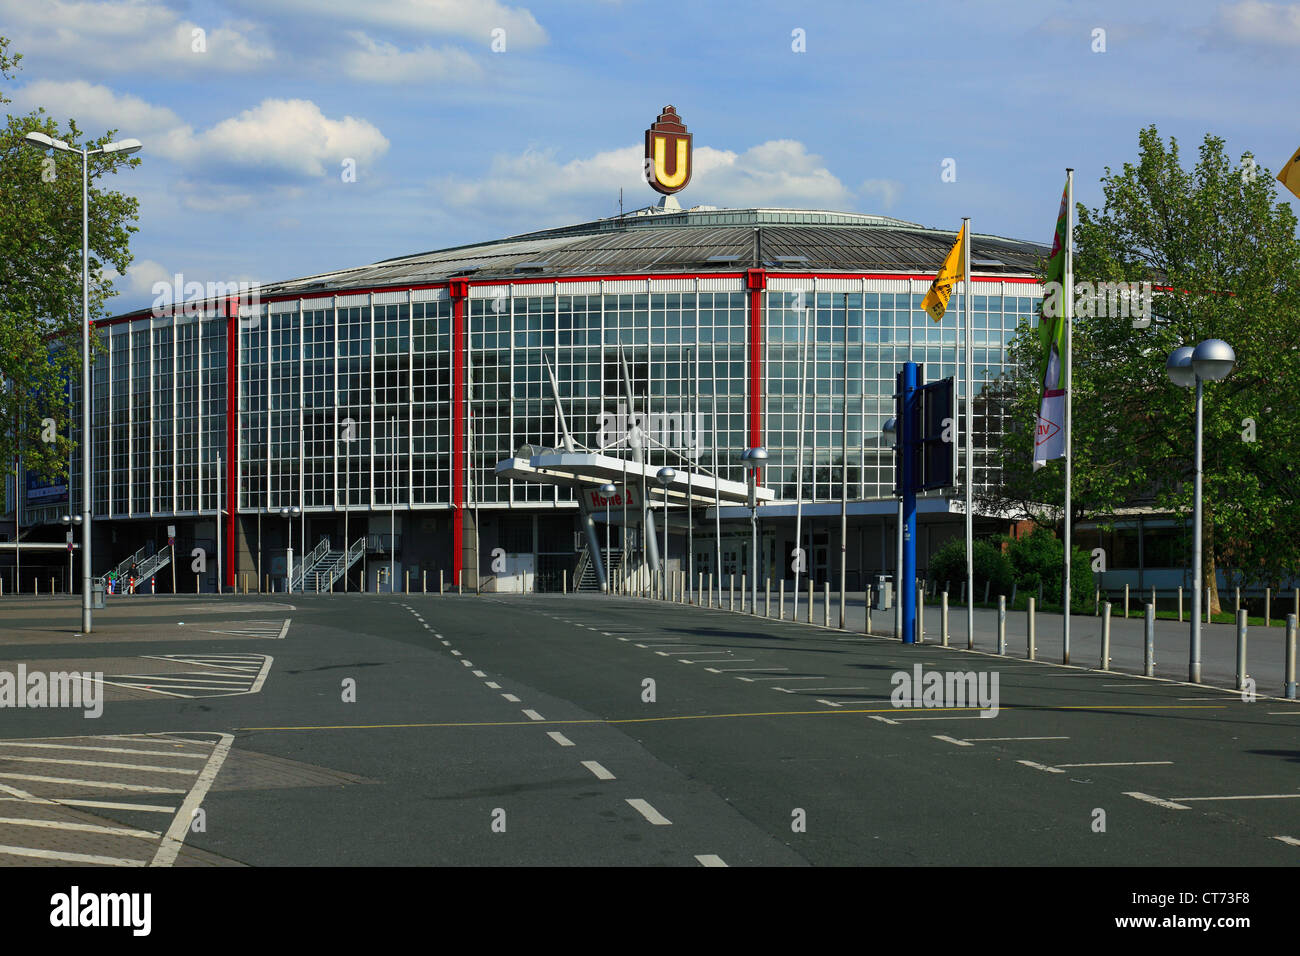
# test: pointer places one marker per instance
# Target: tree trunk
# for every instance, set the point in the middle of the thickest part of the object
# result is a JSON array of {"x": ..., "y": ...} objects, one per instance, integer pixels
[{"x": 1208, "y": 567}]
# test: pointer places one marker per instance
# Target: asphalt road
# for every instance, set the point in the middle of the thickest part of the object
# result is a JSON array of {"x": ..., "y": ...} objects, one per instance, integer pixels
[{"x": 413, "y": 730}]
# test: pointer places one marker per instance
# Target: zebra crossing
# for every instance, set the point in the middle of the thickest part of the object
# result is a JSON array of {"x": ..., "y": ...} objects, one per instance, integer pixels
[
  {"x": 153, "y": 784},
  {"x": 214, "y": 675}
]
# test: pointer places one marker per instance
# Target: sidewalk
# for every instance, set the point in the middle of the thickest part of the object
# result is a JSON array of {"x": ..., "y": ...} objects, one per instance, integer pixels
[{"x": 1265, "y": 647}]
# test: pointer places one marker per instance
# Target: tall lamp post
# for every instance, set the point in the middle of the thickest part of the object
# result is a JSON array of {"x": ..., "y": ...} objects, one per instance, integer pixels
[
  {"x": 754, "y": 459},
  {"x": 890, "y": 432},
  {"x": 68, "y": 522},
  {"x": 607, "y": 490},
  {"x": 665, "y": 476},
  {"x": 1210, "y": 361},
  {"x": 289, "y": 514},
  {"x": 41, "y": 141}
]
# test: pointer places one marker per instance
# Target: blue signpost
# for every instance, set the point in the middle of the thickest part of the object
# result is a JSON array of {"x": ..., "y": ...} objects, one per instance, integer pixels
[{"x": 926, "y": 417}]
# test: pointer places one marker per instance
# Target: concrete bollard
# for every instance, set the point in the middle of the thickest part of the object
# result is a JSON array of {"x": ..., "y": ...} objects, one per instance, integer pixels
[
  {"x": 826, "y": 602},
  {"x": 1030, "y": 641},
  {"x": 1002, "y": 623},
  {"x": 767, "y": 598},
  {"x": 1290, "y": 654},
  {"x": 441, "y": 588},
  {"x": 731, "y": 592},
  {"x": 1268, "y": 607},
  {"x": 1126, "y": 602},
  {"x": 810, "y": 597},
  {"x": 1241, "y": 650},
  {"x": 699, "y": 594},
  {"x": 943, "y": 618},
  {"x": 780, "y": 600},
  {"x": 424, "y": 582},
  {"x": 1105, "y": 636},
  {"x": 1180, "y": 604},
  {"x": 407, "y": 574},
  {"x": 710, "y": 590},
  {"x": 1208, "y": 616},
  {"x": 564, "y": 580},
  {"x": 866, "y": 627},
  {"x": 1149, "y": 644}
]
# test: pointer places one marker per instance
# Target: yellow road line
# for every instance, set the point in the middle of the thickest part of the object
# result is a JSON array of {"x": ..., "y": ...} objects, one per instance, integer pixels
[{"x": 770, "y": 713}]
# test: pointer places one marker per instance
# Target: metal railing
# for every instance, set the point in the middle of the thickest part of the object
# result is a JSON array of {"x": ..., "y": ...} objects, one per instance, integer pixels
[{"x": 306, "y": 564}]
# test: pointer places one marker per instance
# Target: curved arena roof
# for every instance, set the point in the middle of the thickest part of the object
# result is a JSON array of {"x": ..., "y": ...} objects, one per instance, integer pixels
[{"x": 697, "y": 240}]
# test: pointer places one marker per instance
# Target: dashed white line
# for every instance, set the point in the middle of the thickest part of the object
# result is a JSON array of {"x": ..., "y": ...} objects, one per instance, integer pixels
[
  {"x": 511, "y": 697},
  {"x": 80, "y": 827},
  {"x": 481, "y": 674},
  {"x": 1285, "y": 839},
  {"x": 455, "y": 653},
  {"x": 495, "y": 686},
  {"x": 709, "y": 859},
  {"x": 649, "y": 812},
  {"x": 1147, "y": 798},
  {"x": 1128, "y": 763},
  {"x": 533, "y": 715},
  {"x": 1041, "y": 766},
  {"x": 562, "y": 740},
  {"x": 600, "y": 772},
  {"x": 69, "y": 857},
  {"x": 884, "y": 720},
  {"x": 1247, "y": 796},
  {"x": 953, "y": 740}
]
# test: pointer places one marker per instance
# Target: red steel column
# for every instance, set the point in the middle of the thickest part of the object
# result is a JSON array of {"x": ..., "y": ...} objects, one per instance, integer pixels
[
  {"x": 459, "y": 291},
  {"x": 756, "y": 282},
  {"x": 232, "y": 438}
]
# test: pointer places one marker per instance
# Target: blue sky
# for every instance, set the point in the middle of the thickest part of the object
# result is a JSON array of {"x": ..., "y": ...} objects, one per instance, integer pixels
[{"x": 247, "y": 139}]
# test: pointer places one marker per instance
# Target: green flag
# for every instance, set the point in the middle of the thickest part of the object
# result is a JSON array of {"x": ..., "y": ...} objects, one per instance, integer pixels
[{"x": 1049, "y": 439}]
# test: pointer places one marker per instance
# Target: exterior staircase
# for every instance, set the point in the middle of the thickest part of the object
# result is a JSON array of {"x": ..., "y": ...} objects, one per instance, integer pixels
[
  {"x": 586, "y": 574},
  {"x": 331, "y": 565}
]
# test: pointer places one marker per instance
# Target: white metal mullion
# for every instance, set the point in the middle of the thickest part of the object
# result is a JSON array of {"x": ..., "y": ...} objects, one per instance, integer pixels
[
  {"x": 175, "y": 389},
  {"x": 152, "y": 437},
  {"x": 371, "y": 403},
  {"x": 198, "y": 414},
  {"x": 334, "y": 457},
  {"x": 302, "y": 497},
  {"x": 270, "y": 379},
  {"x": 513, "y": 445}
]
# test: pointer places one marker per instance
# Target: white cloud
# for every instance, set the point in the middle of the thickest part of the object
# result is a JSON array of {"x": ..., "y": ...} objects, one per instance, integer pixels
[
  {"x": 778, "y": 172},
  {"x": 887, "y": 189},
  {"x": 474, "y": 19},
  {"x": 140, "y": 277},
  {"x": 129, "y": 36},
  {"x": 290, "y": 138},
  {"x": 379, "y": 62},
  {"x": 1257, "y": 23}
]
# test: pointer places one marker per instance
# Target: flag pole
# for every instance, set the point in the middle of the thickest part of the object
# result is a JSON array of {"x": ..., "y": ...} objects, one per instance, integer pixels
[
  {"x": 968, "y": 303},
  {"x": 1069, "y": 403}
]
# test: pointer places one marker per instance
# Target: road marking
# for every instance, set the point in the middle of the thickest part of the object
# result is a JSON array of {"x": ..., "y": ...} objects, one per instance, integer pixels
[
  {"x": 992, "y": 739},
  {"x": 455, "y": 653},
  {"x": 448, "y": 643},
  {"x": 1285, "y": 839},
  {"x": 1040, "y": 766},
  {"x": 439, "y": 636},
  {"x": 953, "y": 740},
  {"x": 735, "y": 670},
  {"x": 511, "y": 697},
  {"x": 93, "y": 784},
  {"x": 69, "y": 857},
  {"x": 642, "y": 645},
  {"x": 80, "y": 827},
  {"x": 1275, "y": 713},
  {"x": 533, "y": 715},
  {"x": 562, "y": 740},
  {"x": 831, "y": 703},
  {"x": 783, "y": 677},
  {"x": 971, "y": 717},
  {"x": 175, "y": 835},
  {"x": 1247, "y": 796},
  {"x": 481, "y": 674},
  {"x": 117, "y": 766},
  {"x": 471, "y": 663},
  {"x": 709, "y": 859},
  {"x": 666, "y": 654},
  {"x": 98, "y": 804},
  {"x": 1147, "y": 798},
  {"x": 284, "y": 629},
  {"x": 813, "y": 690},
  {"x": 495, "y": 686},
  {"x": 600, "y": 772},
  {"x": 649, "y": 812},
  {"x": 1131, "y": 763},
  {"x": 624, "y": 638},
  {"x": 885, "y": 720},
  {"x": 114, "y": 750}
]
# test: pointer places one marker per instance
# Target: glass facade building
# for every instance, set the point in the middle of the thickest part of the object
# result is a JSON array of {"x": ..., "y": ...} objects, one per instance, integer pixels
[{"x": 344, "y": 399}]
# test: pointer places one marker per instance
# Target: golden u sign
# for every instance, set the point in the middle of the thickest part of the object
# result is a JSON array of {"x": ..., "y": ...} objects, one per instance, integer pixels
[{"x": 667, "y": 153}]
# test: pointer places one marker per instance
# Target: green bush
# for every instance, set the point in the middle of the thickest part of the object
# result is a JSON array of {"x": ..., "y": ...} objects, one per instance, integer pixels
[
  {"x": 948, "y": 567},
  {"x": 1038, "y": 557}
]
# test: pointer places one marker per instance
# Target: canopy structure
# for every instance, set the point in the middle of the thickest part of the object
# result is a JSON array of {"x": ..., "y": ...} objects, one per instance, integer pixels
[{"x": 589, "y": 470}]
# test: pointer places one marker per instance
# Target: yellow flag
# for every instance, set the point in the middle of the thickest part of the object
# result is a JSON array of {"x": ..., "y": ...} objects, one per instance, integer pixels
[
  {"x": 936, "y": 300},
  {"x": 1290, "y": 174}
]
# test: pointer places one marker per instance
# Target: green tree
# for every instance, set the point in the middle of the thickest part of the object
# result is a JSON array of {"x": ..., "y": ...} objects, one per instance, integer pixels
[
  {"x": 948, "y": 567},
  {"x": 41, "y": 276},
  {"x": 1224, "y": 249}
]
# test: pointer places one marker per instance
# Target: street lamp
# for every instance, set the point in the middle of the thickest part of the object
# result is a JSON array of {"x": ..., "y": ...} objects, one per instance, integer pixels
[
  {"x": 68, "y": 522},
  {"x": 665, "y": 476},
  {"x": 41, "y": 141},
  {"x": 606, "y": 491},
  {"x": 754, "y": 459},
  {"x": 1210, "y": 361},
  {"x": 890, "y": 432},
  {"x": 289, "y": 514}
]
